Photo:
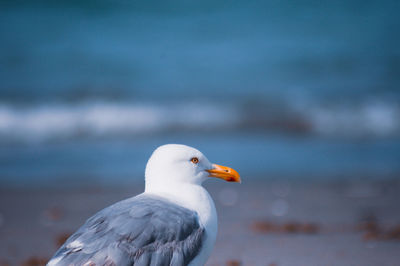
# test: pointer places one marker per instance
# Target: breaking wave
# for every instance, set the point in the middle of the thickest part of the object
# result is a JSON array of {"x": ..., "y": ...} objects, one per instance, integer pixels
[
  {"x": 44, "y": 122},
  {"x": 109, "y": 119}
]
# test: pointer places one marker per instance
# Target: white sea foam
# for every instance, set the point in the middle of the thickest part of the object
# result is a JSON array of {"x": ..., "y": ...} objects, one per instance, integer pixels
[
  {"x": 370, "y": 119},
  {"x": 104, "y": 119},
  {"x": 37, "y": 123}
]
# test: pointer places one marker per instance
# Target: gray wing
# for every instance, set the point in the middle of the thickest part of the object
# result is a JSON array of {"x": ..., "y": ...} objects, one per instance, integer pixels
[{"x": 143, "y": 230}]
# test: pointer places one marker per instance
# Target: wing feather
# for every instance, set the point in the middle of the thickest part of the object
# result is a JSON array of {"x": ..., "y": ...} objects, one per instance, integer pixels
[{"x": 144, "y": 230}]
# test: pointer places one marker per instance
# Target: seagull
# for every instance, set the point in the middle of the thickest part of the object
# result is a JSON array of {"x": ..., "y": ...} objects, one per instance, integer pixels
[{"x": 173, "y": 222}]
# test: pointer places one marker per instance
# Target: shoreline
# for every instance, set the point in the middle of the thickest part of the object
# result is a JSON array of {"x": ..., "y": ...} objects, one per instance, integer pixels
[{"x": 260, "y": 222}]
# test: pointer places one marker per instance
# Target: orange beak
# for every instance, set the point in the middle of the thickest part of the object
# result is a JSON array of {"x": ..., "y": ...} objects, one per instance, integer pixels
[{"x": 225, "y": 173}]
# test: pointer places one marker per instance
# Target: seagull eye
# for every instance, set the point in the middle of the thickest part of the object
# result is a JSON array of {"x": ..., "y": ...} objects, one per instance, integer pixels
[{"x": 195, "y": 160}]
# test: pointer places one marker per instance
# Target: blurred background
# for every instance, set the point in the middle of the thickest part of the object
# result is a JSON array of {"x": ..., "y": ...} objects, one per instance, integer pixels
[
  {"x": 282, "y": 91},
  {"x": 275, "y": 88}
]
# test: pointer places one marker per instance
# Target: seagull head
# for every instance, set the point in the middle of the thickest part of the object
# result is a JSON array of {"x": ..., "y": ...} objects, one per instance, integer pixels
[{"x": 175, "y": 163}]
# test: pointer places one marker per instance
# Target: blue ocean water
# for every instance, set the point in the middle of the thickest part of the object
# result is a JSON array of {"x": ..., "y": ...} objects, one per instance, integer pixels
[
  {"x": 275, "y": 88},
  {"x": 70, "y": 50},
  {"x": 255, "y": 156}
]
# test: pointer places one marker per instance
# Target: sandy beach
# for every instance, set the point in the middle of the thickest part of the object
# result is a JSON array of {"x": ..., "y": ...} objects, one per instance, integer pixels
[{"x": 260, "y": 223}]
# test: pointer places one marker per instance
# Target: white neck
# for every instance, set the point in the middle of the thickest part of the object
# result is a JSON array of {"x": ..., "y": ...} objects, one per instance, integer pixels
[{"x": 191, "y": 196}]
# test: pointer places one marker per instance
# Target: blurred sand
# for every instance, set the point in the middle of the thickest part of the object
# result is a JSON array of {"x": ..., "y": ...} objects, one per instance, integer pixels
[{"x": 260, "y": 223}]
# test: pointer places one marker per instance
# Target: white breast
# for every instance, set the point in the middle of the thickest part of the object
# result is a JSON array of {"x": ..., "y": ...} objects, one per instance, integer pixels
[{"x": 196, "y": 198}]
